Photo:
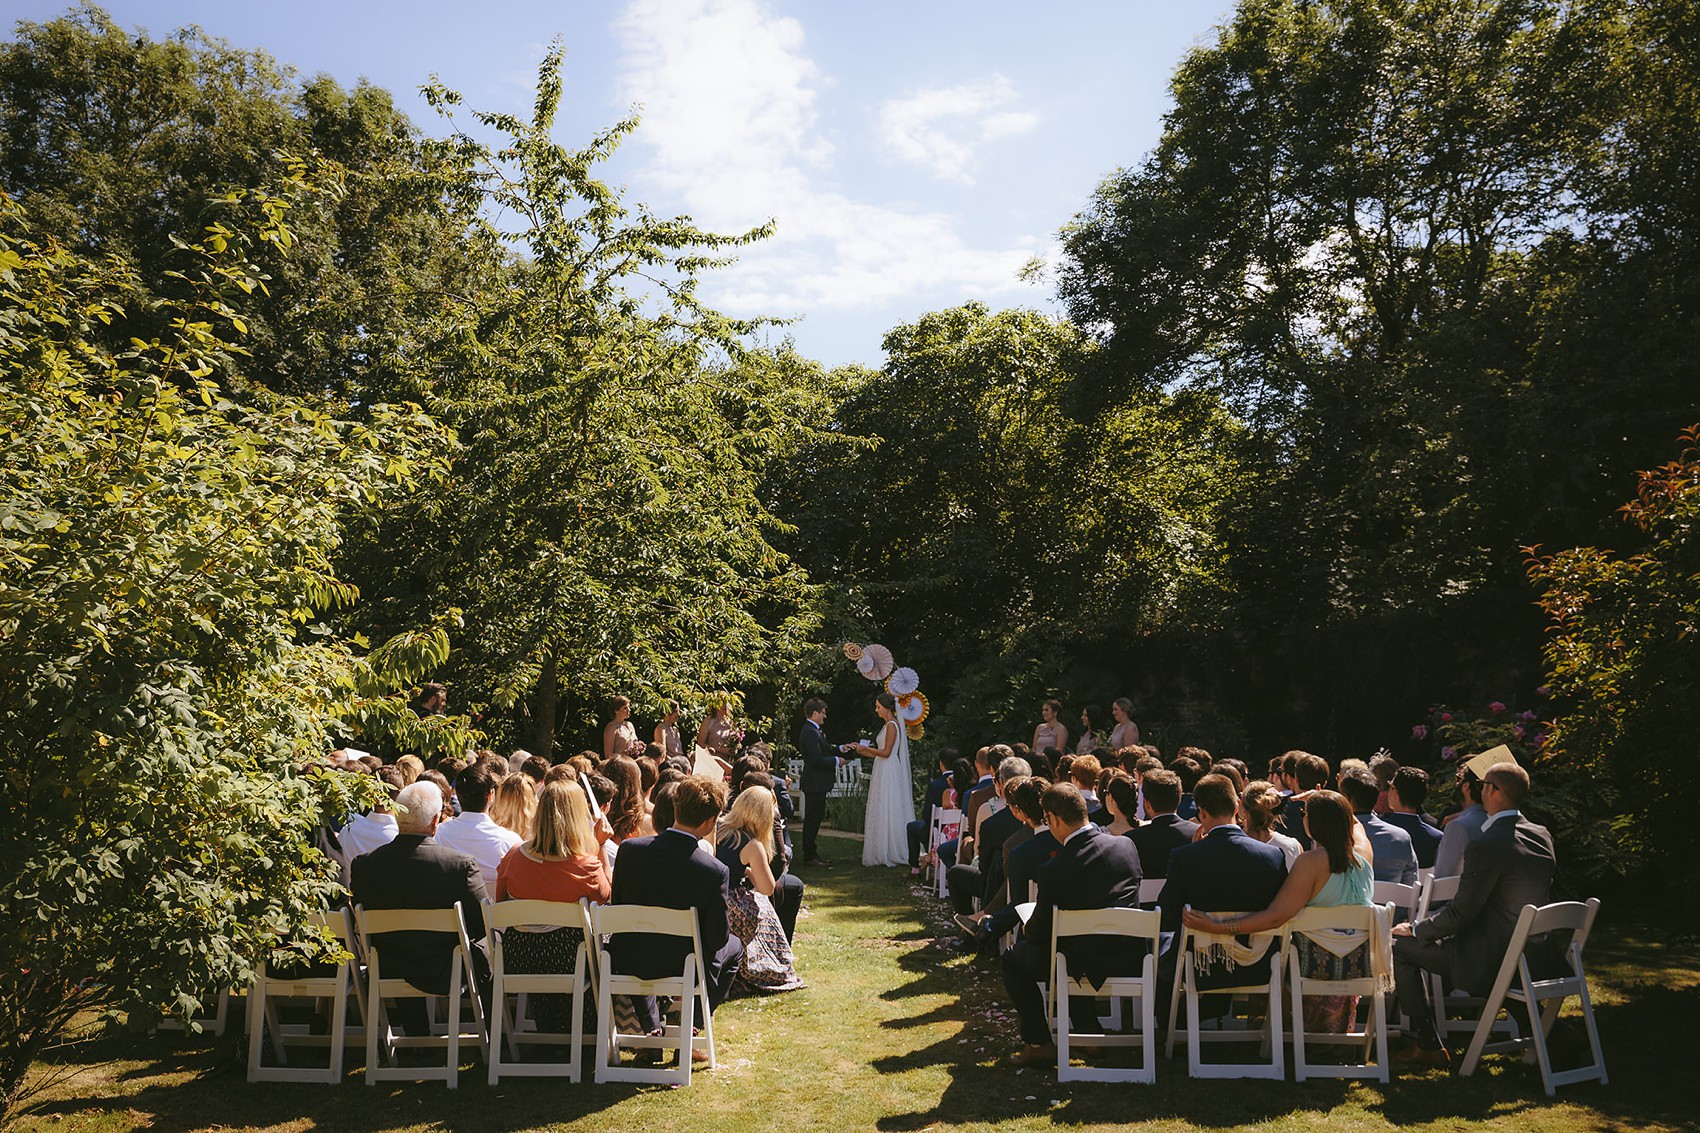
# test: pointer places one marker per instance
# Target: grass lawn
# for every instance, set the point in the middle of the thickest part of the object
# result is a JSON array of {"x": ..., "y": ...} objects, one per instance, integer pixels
[{"x": 898, "y": 1030}]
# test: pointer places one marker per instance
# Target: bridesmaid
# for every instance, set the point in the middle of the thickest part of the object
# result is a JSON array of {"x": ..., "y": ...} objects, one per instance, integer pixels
[
  {"x": 1051, "y": 732},
  {"x": 1126, "y": 732}
]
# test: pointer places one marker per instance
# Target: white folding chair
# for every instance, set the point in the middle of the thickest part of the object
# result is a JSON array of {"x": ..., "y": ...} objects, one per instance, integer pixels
[
  {"x": 211, "y": 1022},
  {"x": 938, "y": 833},
  {"x": 374, "y": 923},
  {"x": 689, "y": 987},
  {"x": 318, "y": 985},
  {"x": 1269, "y": 1035},
  {"x": 1403, "y": 898},
  {"x": 1455, "y": 1013},
  {"x": 1371, "y": 925},
  {"x": 1543, "y": 997},
  {"x": 506, "y": 1021},
  {"x": 1141, "y": 991}
]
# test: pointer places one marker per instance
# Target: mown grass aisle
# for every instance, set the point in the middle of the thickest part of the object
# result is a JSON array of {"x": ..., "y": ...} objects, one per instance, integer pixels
[{"x": 898, "y": 1030}]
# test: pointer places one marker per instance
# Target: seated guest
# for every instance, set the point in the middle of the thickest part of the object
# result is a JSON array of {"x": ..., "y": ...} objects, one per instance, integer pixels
[
  {"x": 962, "y": 780},
  {"x": 1189, "y": 763},
  {"x": 1383, "y": 766},
  {"x": 1225, "y": 870},
  {"x": 788, "y": 892},
  {"x": 979, "y": 878},
  {"x": 985, "y": 760},
  {"x": 1337, "y": 872},
  {"x": 414, "y": 871},
  {"x": 628, "y": 811},
  {"x": 1121, "y": 802},
  {"x": 536, "y": 768},
  {"x": 1166, "y": 830},
  {"x": 514, "y": 803},
  {"x": 1143, "y": 765},
  {"x": 560, "y": 862},
  {"x": 474, "y": 833},
  {"x": 1024, "y": 852},
  {"x": 1083, "y": 773},
  {"x": 1462, "y": 828},
  {"x": 744, "y": 845},
  {"x": 1395, "y": 859},
  {"x": 411, "y": 767},
  {"x": 1405, "y": 798},
  {"x": 369, "y": 831},
  {"x": 1092, "y": 870},
  {"x": 1309, "y": 772},
  {"x": 1260, "y": 806},
  {"x": 1509, "y": 866},
  {"x": 919, "y": 830},
  {"x": 672, "y": 870}
]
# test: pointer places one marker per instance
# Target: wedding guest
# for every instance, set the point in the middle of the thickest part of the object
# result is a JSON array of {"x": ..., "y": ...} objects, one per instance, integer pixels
[
  {"x": 744, "y": 845},
  {"x": 1260, "y": 808},
  {"x": 1091, "y": 730},
  {"x": 1126, "y": 732},
  {"x": 1023, "y": 855},
  {"x": 1051, "y": 732},
  {"x": 1309, "y": 772},
  {"x": 513, "y": 804},
  {"x": 442, "y": 784},
  {"x": 1083, "y": 773},
  {"x": 1383, "y": 766},
  {"x": 536, "y": 768},
  {"x": 1336, "y": 873},
  {"x": 1509, "y": 865},
  {"x": 921, "y": 829},
  {"x": 980, "y": 877},
  {"x": 474, "y": 833},
  {"x": 1166, "y": 830},
  {"x": 1462, "y": 828},
  {"x": 369, "y": 831},
  {"x": 1189, "y": 763},
  {"x": 1405, "y": 797},
  {"x": 411, "y": 767},
  {"x": 619, "y": 736},
  {"x": 1121, "y": 800},
  {"x": 1235, "y": 775},
  {"x": 561, "y": 861},
  {"x": 1092, "y": 870},
  {"x": 627, "y": 811},
  {"x": 1394, "y": 859}
]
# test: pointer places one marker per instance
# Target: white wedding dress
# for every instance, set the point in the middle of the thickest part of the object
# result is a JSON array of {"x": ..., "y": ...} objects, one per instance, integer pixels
[{"x": 891, "y": 806}]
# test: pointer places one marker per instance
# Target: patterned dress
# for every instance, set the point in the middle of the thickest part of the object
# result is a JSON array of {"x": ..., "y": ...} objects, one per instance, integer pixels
[
  {"x": 768, "y": 963},
  {"x": 1333, "y": 1014}
]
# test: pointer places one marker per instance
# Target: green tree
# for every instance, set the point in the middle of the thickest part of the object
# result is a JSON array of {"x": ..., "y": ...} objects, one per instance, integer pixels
[{"x": 165, "y": 540}]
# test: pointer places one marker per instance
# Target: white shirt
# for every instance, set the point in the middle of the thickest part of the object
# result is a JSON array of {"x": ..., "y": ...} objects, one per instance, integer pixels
[
  {"x": 1509, "y": 812},
  {"x": 366, "y": 833},
  {"x": 478, "y": 836}
]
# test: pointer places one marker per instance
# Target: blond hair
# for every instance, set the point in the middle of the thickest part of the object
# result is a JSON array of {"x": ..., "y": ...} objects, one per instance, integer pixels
[
  {"x": 513, "y": 804},
  {"x": 411, "y": 767},
  {"x": 561, "y": 826},
  {"x": 752, "y": 813}
]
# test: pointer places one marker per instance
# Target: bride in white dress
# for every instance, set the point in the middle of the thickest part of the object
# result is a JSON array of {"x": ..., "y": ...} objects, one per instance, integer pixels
[{"x": 891, "y": 794}]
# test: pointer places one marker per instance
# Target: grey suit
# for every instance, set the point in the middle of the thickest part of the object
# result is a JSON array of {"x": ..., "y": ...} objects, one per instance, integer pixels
[{"x": 1510, "y": 865}]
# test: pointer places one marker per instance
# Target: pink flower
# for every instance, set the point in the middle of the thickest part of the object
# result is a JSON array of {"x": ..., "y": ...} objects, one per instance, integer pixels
[
  {"x": 1540, "y": 739},
  {"x": 1420, "y": 732},
  {"x": 1449, "y": 753},
  {"x": 1446, "y": 717},
  {"x": 1544, "y": 690},
  {"x": 1517, "y": 730},
  {"x": 1496, "y": 707},
  {"x": 1528, "y": 713}
]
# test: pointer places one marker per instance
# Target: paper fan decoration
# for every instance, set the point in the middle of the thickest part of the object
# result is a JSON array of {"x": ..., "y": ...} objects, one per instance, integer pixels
[
  {"x": 915, "y": 731},
  {"x": 902, "y": 681},
  {"x": 852, "y": 651},
  {"x": 912, "y": 708},
  {"x": 875, "y": 663}
]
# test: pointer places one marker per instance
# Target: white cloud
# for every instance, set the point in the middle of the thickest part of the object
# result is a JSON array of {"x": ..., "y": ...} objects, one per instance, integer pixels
[
  {"x": 731, "y": 127},
  {"x": 941, "y": 128}
]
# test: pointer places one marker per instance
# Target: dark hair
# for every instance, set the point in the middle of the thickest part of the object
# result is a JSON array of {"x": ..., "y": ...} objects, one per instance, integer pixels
[
  {"x": 428, "y": 692},
  {"x": 1094, "y": 717},
  {"x": 1262, "y": 805},
  {"x": 1125, "y": 794},
  {"x": 1384, "y": 767},
  {"x": 620, "y": 702},
  {"x": 1469, "y": 787},
  {"x": 812, "y": 705},
  {"x": 391, "y": 778},
  {"x": 663, "y": 813},
  {"x": 1062, "y": 765},
  {"x": 1289, "y": 763},
  {"x": 603, "y": 788},
  {"x": 1309, "y": 771},
  {"x": 536, "y": 767},
  {"x": 1024, "y": 794},
  {"x": 1233, "y": 774},
  {"x": 1154, "y": 751},
  {"x": 1411, "y": 785},
  {"x": 1215, "y": 796},
  {"x": 1189, "y": 770},
  {"x": 1145, "y": 764},
  {"x": 1328, "y": 817},
  {"x": 473, "y": 786},
  {"x": 962, "y": 780},
  {"x": 1360, "y": 788},
  {"x": 887, "y": 701},
  {"x": 751, "y": 778},
  {"x": 948, "y": 757},
  {"x": 648, "y": 773},
  {"x": 626, "y": 812},
  {"x": 1162, "y": 791},
  {"x": 1055, "y": 706},
  {"x": 697, "y": 799},
  {"x": 450, "y": 766},
  {"x": 1066, "y": 802}
]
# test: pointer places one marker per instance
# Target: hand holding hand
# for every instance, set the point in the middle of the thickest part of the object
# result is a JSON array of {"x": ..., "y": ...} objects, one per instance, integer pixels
[{"x": 1403, "y": 928}]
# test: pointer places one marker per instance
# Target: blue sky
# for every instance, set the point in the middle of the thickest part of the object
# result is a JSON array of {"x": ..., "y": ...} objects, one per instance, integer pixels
[{"x": 915, "y": 155}]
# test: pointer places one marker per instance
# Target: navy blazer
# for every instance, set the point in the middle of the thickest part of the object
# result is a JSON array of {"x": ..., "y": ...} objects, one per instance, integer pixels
[
  {"x": 1026, "y": 860},
  {"x": 672, "y": 871},
  {"x": 1228, "y": 871},
  {"x": 1093, "y": 870},
  {"x": 414, "y": 872},
  {"x": 933, "y": 798},
  {"x": 1509, "y": 866},
  {"x": 1157, "y": 838},
  {"x": 989, "y": 850},
  {"x": 1425, "y": 836},
  {"x": 820, "y": 761}
]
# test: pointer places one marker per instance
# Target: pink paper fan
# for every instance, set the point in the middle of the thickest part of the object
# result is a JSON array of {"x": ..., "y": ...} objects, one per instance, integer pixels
[{"x": 875, "y": 663}]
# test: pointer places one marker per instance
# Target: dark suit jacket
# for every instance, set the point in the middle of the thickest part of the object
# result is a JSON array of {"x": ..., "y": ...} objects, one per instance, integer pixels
[
  {"x": 982, "y": 791},
  {"x": 1509, "y": 866},
  {"x": 1229, "y": 871},
  {"x": 1024, "y": 862},
  {"x": 820, "y": 762},
  {"x": 781, "y": 800},
  {"x": 1395, "y": 855},
  {"x": 671, "y": 871},
  {"x": 999, "y": 828},
  {"x": 1093, "y": 870},
  {"x": 413, "y": 872},
  {"x": 1425, "y": 836},
  {"x": 1157, "y": 838},
  {"x": 1292, "y": 822},
  {"x": 933, "y": 798}
]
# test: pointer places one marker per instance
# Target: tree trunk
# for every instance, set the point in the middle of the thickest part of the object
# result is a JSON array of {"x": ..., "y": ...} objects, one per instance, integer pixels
[{"x": 544, "y": 704}]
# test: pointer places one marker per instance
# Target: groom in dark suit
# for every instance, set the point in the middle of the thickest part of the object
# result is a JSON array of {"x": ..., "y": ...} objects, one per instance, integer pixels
[
  {"x": 1510, "y": 865},
  {"x": 820, "y": 772}
]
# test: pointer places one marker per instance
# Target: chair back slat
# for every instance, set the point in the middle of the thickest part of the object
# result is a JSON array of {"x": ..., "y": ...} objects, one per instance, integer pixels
[
  {"x": 611, "y": 919},
  {"x": 376, "y": 921},
  {"x": 1146, "y": 923},
  {"x": 543, "y": 914}
]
